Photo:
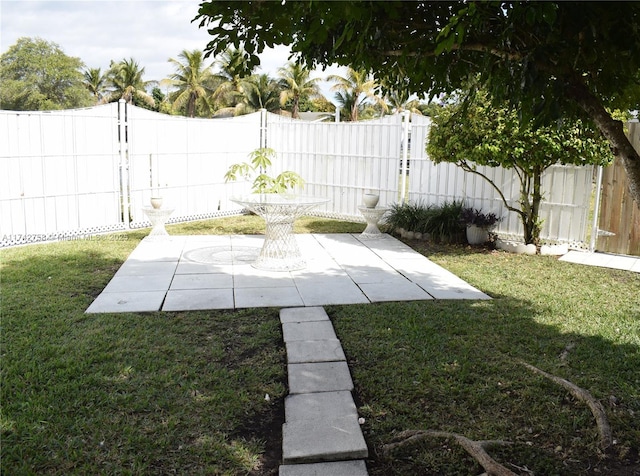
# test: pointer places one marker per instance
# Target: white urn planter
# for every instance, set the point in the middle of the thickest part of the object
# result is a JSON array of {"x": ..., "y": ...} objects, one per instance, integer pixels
[
  {"x": 370, "y": 200},
  {"x": 477, "y": 235},
  {"x": 156, "y": 202}
]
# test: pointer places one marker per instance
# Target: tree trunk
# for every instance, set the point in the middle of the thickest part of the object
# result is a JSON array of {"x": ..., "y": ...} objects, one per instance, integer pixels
[
  {"x": 295, "y": 110},
  {"x": 530, "y": 198},
  {"x": 536, "y": 199},
  {"x": 613, "y": 131}
]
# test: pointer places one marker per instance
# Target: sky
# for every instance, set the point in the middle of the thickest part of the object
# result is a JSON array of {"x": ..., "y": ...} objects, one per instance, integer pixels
[{"x": 98, "y": 31}]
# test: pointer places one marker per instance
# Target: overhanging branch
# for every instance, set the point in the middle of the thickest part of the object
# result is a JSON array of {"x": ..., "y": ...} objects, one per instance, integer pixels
[{"x": 464, "y": 165}]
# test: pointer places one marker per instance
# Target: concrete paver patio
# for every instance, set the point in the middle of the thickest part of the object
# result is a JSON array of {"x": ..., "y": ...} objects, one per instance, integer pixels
[{"x": 182, "y": 273}]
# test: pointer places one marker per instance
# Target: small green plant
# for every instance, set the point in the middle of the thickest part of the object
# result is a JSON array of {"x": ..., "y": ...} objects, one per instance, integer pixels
[{"x": 260, "y": 161}]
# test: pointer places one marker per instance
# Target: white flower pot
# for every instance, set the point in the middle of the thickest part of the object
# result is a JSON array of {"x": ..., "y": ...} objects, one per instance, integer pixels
[
  {"x": 370, "y": 200},
  {"x": 477, "y": 235},
  {"x": 156, "y": 202}
]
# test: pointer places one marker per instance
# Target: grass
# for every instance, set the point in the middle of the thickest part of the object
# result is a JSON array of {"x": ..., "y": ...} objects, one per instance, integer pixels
[{"x": 161, "y": 393}]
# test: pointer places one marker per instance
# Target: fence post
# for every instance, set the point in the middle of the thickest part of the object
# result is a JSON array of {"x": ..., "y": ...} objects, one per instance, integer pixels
[
  {"x": 406, "y": 123},
  {"x": 123, "y": 150},
  {"x": 263, "y": 128}
]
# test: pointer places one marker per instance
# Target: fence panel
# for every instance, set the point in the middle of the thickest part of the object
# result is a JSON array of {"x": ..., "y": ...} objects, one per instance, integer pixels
[
  {"x": 340, "y": 161},
  {"x": 619, "y": 214},
  {"x": 59, "y": 173},
  {"x": 185, "y": 160},
  {"x": 59, "y": 170}
]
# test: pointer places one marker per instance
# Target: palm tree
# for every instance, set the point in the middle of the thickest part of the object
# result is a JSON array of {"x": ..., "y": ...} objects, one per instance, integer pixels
[
  {"x": 194, "y": 81},
  {"x": 96, "y": 83},
  {"x": 233, "y": 65},
  {"x": 126, "y": 82},
  {"x": 295, "y": 83},
  {"x": 353, "y": 91},
  {"x": 260, "y": 92}
]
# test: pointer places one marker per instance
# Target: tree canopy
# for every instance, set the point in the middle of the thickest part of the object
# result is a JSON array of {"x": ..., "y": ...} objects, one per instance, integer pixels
[
  {"x": 547, "y": 59},
  {"x": 475, "y": 132},
  {"x": 37, "y": 75},
  {"x": 194, "y": 83}
]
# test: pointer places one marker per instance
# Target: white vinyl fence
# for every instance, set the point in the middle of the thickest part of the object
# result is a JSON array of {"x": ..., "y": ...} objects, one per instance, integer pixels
[{"x": 66, "y": 174}]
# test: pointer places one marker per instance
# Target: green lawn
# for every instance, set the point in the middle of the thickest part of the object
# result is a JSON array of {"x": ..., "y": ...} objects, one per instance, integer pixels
[{"x": 184, "y": 393}]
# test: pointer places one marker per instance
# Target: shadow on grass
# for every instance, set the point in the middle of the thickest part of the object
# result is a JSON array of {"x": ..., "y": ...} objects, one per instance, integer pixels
[
  {"x": 454, "y": 366},
  {"x": 137, "y": 393}
]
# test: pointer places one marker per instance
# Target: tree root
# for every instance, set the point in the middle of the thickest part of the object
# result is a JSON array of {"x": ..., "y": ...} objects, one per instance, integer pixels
[
  {"x": 477, "y": 449},
  {"x": 602, "y": 422}
]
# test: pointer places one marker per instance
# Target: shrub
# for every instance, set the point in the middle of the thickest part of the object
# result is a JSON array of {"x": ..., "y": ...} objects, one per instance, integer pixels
[{"x": 441, "y": 222}]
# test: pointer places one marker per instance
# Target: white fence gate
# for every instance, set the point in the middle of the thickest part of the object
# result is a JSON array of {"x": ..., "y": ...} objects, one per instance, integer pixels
[{"x": 72, "y": 173}]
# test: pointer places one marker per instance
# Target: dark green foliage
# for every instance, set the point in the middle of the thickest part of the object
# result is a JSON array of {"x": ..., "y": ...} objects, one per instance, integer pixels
[
  {"x": 441, "y": 222},
  {"x": 548, "y": 60}
]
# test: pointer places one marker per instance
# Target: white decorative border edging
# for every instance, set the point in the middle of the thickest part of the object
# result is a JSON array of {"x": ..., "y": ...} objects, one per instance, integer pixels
[{"x": 530, "y": 249}]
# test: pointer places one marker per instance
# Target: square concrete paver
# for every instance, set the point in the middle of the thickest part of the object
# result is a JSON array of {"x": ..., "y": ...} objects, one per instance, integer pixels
[
  {"x": 303, "y": 351},
  {"x": 128, "y": 284},
  {"x": 404, "y": 291},
  {"x": 314, "y": 330},
  {"x": 202, "y": 281},
  {"x": 303, "y": 314},
  {"x": 327, "y": 291},
  {"x": 133, "y": 267},
  {"x": 319, "y": 377},
  {"x": 323, "y": 440},
  {"x": 198, "y": 299},
  {"x": 145, "y": 301},
  {"x": 267, "y": 297},
  {"x": 335, "y": 468},
  {"x": 319, "y": 406}
]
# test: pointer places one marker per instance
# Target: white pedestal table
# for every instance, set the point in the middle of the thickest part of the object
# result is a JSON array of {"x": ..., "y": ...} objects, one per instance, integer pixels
[{"x": 280, "y": 251}]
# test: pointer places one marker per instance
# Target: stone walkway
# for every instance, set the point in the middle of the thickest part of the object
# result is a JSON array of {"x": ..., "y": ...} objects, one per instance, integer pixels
[
  {"x": 185, "y": 273},
  {"x": 321, "y": 435},
  {"x": 603, "y": 260}
]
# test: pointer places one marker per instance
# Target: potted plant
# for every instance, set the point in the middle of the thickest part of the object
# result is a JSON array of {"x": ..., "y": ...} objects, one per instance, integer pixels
[
  {"x": 478, "y": 224},
  {"x": 260, "y": 161}
]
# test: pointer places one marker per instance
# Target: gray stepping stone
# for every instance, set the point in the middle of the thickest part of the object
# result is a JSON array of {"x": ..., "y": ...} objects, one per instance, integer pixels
[
  {"x": 319, "y": 377},
  {"x": 303, "y": 351},
  {"x": 319, "y": 406},
  {"x": 316, "y": 330},
  {"x": 313, "y": 441},
  {"x": 303, "y": 314},
  {"x": 336, "y": 468}
]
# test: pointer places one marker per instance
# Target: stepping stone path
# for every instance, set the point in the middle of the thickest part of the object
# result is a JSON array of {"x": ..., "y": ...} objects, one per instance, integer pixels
[{"x": 321, "y": 435}]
